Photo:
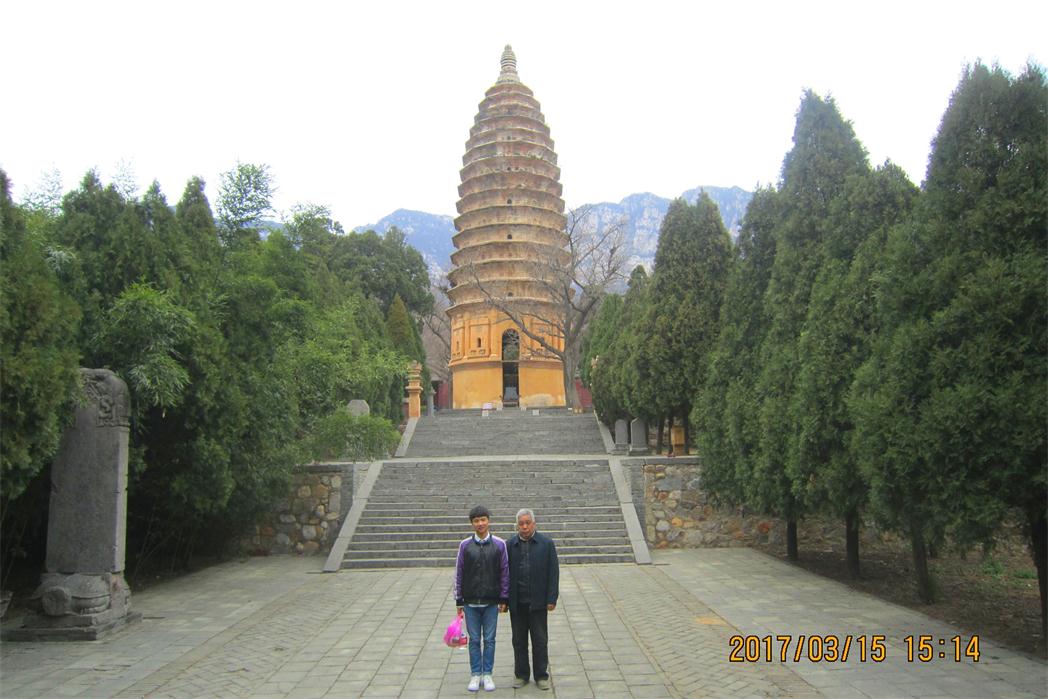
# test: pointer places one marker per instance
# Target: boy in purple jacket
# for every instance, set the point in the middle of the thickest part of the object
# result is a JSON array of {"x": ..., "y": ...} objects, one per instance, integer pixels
[{"x": 481, "y": 592}]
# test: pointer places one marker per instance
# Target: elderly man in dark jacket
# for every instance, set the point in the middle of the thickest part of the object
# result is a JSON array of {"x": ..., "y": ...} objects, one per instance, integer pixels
[{"x": 534, "y": 575}]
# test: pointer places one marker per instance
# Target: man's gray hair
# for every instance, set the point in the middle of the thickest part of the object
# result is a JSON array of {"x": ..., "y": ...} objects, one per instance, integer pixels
[{"x": 525, "y": 511}]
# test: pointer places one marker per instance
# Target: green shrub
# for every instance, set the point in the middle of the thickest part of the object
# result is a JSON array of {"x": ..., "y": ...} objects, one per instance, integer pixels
[{"x": 344, "y": 436}]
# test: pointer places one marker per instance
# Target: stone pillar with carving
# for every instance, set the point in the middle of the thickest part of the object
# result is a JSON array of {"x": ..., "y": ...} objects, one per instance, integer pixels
[
  {"x": 414, "y": 390},
  {"x": 82, "y": 593}
]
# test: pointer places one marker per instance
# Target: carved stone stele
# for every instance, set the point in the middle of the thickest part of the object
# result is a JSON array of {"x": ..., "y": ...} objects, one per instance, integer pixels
[{"x": 82, "y": 593}]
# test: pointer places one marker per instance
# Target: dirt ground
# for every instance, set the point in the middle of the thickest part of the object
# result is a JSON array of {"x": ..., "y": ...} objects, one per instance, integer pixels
[{"x": 992, "y": 594}]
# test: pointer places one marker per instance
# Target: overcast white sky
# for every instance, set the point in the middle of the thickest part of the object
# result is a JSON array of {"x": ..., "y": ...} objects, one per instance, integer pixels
[{"x": 365, "y": 107}]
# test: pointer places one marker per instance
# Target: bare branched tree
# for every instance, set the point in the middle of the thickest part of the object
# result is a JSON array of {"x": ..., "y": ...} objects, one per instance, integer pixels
[
  {"x": 574, "y": 285},
  {"x": 436, "y": 331}
]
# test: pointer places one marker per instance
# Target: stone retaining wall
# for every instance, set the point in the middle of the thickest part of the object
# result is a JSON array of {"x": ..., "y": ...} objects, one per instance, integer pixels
[
  {"x": 677, "y": 512},
  {"x": 307, "y": 521}
]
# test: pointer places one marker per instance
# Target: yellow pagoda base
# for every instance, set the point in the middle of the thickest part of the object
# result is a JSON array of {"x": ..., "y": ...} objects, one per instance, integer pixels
[
  {"x": 478, "y": 371},
  {"x": 479, "y": 383}
]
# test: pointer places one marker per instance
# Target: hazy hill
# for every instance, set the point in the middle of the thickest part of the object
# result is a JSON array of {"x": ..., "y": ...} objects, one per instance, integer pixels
[{"x": 640, "y": 214}]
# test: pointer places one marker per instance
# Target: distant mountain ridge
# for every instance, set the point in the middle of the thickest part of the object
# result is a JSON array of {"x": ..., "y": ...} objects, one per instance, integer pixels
[{"x": 640, "y": 214}]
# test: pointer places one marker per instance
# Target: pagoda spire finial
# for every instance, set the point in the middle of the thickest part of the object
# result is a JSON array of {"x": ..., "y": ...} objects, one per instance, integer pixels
[{"x": 509, "y": 66}]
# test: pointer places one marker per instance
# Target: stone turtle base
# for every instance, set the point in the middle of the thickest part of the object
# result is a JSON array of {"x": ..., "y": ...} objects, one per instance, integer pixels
[{"x": 32, "y": 634}]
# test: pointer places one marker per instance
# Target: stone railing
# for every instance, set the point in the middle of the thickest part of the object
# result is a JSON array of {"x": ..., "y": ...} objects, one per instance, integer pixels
[{"x": 308, "y": 519}]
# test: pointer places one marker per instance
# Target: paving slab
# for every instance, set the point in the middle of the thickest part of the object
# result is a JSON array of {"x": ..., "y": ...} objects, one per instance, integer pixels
[{"x": 276, "y": 627}]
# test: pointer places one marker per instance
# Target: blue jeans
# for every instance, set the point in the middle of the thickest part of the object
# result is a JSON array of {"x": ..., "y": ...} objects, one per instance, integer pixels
[{"x": 481, "y": 623}]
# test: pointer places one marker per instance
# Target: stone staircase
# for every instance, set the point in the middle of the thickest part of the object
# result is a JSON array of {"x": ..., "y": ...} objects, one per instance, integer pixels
[
  {"x": 545, "y": 431},
  {"x": 415, "y": 510},
  {"x": 418, "y": 511}
]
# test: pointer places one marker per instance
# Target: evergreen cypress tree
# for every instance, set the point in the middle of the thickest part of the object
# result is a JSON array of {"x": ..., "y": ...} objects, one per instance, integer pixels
[
  {"x": 824, "y": 155},
  {"x": 610, "y": 378},
  {"x": 950, "y": 410},
  {"x": 600, "y": 335},
  {"x": 38, "y": 324},
  {"x": 404, "y": 335},
  {"x": 725, "y": 415},
  {"x": 835, "y": 340},
  {"x": 691, "y": 267}
]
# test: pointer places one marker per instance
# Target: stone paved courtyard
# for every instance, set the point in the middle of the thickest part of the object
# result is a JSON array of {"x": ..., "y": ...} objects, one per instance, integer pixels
[{"x": 275, "y": 627}]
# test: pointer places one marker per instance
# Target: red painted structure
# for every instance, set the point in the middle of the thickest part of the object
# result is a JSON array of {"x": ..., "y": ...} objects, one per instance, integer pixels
[{"x": 585, "y": 397}]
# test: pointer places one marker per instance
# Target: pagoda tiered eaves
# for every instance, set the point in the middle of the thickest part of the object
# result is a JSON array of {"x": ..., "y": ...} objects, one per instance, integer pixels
[{"x": 511, "y": 236}]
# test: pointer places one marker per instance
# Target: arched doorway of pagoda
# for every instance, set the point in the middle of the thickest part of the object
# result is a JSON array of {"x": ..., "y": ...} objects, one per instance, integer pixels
[{"x": 510, "y": 368}]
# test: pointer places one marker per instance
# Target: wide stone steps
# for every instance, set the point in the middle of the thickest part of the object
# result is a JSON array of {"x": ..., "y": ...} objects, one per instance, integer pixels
[
  {"x": 382, "y": 562},
  {"x": 498, "y": 522},
  {"x": 450, "y": 553},
  {"x": 450, "y": 543},
  {"x": 367, "y": 527},
  {"x": 417, "y": 511},
  {"x": 505, "y": 432}
]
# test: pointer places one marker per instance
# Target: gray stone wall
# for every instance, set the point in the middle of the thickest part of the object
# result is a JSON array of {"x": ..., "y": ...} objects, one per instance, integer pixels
[
  {"x": 678, "y": 512},
  {"x": 307, "y": 521}
]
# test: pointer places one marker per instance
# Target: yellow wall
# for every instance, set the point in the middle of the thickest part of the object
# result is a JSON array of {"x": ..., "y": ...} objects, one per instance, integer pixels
[
  {"x": 476, "y": 363},
  {"x": 541, "y": 384},
  {"x": 476, "y": 383}
]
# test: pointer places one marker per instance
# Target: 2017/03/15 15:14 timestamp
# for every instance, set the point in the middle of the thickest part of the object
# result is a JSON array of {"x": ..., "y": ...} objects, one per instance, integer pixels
[{"x": 832, "y": 648}]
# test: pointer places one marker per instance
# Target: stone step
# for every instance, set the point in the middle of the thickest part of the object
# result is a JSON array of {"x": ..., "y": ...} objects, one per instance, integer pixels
[
  {"x": 421, "y": 552},
  {"x": 601, "y": 496},
  {"x": 366, "y": 527},
  {"x": 446, "y": 481},
  {"x": 497, "y": 513},
  {"x": 416, "y": 513},
  {"x": 507, "y": 432},
  {"x": 446, "y": 544},
  {"x": 442, "y": 518},
  {"x": 456, "y": 535},
  {"x": 481, "y": 468},
  {"x": 574, "y": 559},
  {"x": 535, "y": 502}
]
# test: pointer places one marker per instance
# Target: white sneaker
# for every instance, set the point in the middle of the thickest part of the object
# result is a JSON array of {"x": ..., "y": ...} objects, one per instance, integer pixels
[
  {"x": 489, "y": 684},
  {"x": 474, "y": 683}
]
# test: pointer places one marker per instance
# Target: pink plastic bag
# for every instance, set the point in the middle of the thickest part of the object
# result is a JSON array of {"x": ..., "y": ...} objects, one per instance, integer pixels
[{"x": 455, "y": 636}]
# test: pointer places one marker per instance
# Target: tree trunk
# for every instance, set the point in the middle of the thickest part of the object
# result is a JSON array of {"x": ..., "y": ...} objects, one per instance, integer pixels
[
  {"x": 851, "y": 525},
  {"x": 791, "y": 539},
  {"x": 571, "y": 394},
  {"x": 658, "y": 436},
  {"x": 687, "y": 433},
  {"x": 925, "y": 587},
  {"x": 1039, "y": 545}
]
